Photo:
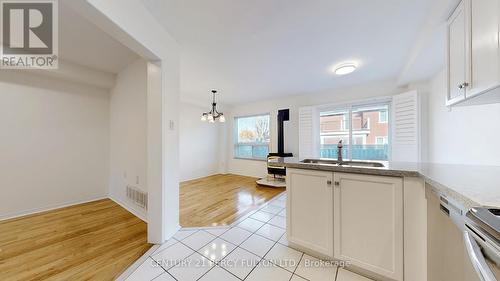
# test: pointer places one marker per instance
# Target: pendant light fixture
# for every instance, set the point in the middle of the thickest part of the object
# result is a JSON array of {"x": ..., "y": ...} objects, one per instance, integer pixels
[{"x": 213, "y": 115}]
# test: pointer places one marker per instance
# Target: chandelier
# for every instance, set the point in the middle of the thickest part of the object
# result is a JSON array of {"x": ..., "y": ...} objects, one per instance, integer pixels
[{"x": 213, "y": 115}]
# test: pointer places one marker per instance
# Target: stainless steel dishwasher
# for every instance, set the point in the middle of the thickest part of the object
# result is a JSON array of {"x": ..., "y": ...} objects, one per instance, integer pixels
[{"x": 482, "y": 242}]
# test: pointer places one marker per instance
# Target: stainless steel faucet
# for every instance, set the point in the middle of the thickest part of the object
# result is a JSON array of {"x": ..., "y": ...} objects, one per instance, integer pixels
[{"x": 339, "y": 152}]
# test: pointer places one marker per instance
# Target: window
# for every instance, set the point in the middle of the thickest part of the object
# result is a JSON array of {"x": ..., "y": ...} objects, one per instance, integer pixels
[
  {"x": 252, "y": 137},
  {"x": 381, "y": 140},
  {"x": 362, "y": 139},
  {"x": 382, "y": 117},
  {"x": 334, "y": 127}
]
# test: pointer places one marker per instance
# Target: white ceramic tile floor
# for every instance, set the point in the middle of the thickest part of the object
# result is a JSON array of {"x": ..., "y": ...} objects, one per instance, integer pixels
[
  {"x": 198, "y": 240},
  {"x": 283, "y": 240},
  {"x": 262, "y": 216},
  {"x": 314, "y": 269},
  {"x": 165, "y": 245},
  {"x": 345, "y": 275},
  {"x": 279, "y": 203},
  {"x": 240, "y": 262},
  {"x": 268, "y": 271},
  {"x": 165, "y": 277},
  {"x": 297, "y": 278},
  {"x": 192, "y": 268},
  {"x": 236, "y": 253},
  {"x": 217, "y": 250},
  {"x": 282, "y": 213},
  {"x": 217, "y": 231},
  {"x": 181, "y": 234},
  {"x": 258, "y": 245},
  {"x": 284, "y": 257},
  {"x": 148, "y": 270},
  {"x": 271, "y": 232},
  {"x": 251, "y": 225},
  {"x": 278, "y": 221},
  {"x": 273, "y": 209},
  {"x": 236, "y": 235},
  {"x": 218, "y": 274},
  {"x": 172, "y": 255}
]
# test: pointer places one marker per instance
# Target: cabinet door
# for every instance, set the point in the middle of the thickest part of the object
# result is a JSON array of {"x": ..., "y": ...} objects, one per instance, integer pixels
[
  {"x": 484, "y": 15},
  {"x": 368, "y": 223},
  {"x": 445, "y": 245},
  {"x": 457, "y": 59},
  {"x": 310, "y": 210}
]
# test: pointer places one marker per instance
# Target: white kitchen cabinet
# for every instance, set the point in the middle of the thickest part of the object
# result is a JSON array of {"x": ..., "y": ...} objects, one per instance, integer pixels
[
  {"x": 473, "y": 57},
  {"x": 310, "y": 210},
  {"x": 457, "y": 58},
  {"x": 368, "y": 223},
  {"x": 484, "y": 59}
]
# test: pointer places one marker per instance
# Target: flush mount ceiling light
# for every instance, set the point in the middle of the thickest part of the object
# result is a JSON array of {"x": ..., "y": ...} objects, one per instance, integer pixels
[
  {"x": 213, "y": 115},
  {"x": 345, "y": 68}
]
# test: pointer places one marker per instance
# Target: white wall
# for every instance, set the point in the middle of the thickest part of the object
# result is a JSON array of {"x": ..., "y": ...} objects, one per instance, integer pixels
[
  {"x": 258, "y": 168},
  {"x": 128, "y": 134},
  {"x": 199, "y": 143},
  {"x": 462, "y": 135},
  {"x": 54, "y": 143},
  {"x": 134, "y": 26}
]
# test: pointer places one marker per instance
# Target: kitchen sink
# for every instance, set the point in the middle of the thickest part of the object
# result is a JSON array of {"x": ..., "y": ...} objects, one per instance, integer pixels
[
  {"x": 344, "y": 163},
  {"x": 363, "y": 164},
  {"x": 320, "y": 161}
]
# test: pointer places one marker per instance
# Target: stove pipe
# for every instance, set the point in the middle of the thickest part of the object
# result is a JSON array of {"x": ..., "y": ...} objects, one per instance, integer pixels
[{"x": 283, "y": 115}]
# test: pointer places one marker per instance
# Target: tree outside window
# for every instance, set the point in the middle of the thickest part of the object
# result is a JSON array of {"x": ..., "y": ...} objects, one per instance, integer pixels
[{"x": 252, "y": 137}]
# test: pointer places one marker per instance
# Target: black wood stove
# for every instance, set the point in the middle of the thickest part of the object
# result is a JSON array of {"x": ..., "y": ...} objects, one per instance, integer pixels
[{"x": 276, "y": 175}]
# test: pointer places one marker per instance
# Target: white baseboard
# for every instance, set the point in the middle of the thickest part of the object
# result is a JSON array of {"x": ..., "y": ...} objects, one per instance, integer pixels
[
  {"x": 14, "y": 215},
  {"x": 170, "y": 235},
  {"x": 200, "y": 177},
  {"x": 143, "y": 217}
]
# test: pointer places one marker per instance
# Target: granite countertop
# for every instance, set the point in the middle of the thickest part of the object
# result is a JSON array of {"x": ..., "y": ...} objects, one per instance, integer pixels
[{"x": 470, "y": 185}]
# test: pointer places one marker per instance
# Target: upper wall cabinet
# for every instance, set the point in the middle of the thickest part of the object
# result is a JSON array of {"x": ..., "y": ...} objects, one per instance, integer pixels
[
  {"x": 457, "y": 55},
  {"x": 473, "y": 57},
  {"x": 485, "y": 21}
]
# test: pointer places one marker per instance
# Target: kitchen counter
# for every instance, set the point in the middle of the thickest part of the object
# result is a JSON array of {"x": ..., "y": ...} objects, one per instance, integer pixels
[{"x": 470, "y": 185}]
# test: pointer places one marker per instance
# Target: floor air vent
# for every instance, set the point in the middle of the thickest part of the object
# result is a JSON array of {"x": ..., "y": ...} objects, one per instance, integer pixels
[{"x": 139, "y": 197}]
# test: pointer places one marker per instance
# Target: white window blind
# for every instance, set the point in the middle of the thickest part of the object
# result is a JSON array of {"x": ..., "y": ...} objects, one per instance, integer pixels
[
  {"x": 406, "y": 127},
  {"x": 308, "y": 126}
]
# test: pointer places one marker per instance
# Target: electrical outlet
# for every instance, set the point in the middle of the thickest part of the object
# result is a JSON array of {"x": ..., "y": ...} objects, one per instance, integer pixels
[
  {"x": 125, "y": 174},
  {"x": 171, "y": 125},
  {"x": 137, "y": 180}
]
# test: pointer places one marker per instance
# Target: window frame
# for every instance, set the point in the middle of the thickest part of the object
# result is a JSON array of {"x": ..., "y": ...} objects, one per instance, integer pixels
[
  {"x": 386, "y": 118},
  {"x": 349, "y": 107},
  {"x": 235, "y": 136},
  {"x": 385, "y": 140}
]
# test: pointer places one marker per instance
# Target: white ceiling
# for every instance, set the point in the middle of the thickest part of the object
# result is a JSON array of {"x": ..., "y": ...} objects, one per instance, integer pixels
[
  {"x": 83, "y": 43},
  {"x": 261, "y": 49}
]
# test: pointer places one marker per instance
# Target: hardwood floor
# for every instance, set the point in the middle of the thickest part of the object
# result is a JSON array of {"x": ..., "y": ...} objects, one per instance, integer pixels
[
  {"x": 96, "y": 241},
  {"x": 221, "y": 199}
]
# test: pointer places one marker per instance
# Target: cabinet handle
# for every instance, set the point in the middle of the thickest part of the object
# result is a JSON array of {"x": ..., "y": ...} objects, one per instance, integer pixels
[
  {"x": 337, "y": 183},
  {"x": 329, "y": 182},
  {"x": 463, "y": 85}
]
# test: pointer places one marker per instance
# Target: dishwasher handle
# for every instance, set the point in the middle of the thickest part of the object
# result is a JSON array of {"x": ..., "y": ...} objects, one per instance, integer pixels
[{"x": 477, "y": 259}]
